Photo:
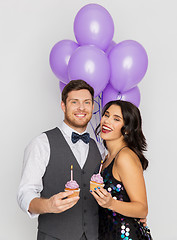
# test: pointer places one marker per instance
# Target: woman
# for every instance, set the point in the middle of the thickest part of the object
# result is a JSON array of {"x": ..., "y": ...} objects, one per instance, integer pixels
[{"x": 123, "y": 199}]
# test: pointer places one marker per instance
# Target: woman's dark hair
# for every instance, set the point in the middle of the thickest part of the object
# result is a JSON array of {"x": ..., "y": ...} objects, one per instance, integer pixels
[
  {"x": 132, "y": 129},
  {"x": 75, "y": 85}
]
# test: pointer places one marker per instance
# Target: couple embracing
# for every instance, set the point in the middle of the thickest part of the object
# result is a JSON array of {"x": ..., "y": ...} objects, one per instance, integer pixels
[{"x": 113, "y": 212}]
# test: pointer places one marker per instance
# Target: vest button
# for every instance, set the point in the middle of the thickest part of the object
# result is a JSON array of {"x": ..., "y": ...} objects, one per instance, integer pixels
[
  {"x": 85, "y": 210},
  {"x": 84, "y": 224},
  {"x": 83, "y": 172},
  {"x": 84, "y": 185},
  {"x": 85, "y": 198}
]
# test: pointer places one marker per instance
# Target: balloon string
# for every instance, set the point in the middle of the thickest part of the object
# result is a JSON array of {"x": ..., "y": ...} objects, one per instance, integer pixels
[
  {"x": 96, "y": 102},
  {"x": 100, "y": 98},
  {"x": 97, "y": 137},
  {"x": 99, "y": 106},
  {"x": 96, "y": 112},
  {"x": 98, "y": 140}
]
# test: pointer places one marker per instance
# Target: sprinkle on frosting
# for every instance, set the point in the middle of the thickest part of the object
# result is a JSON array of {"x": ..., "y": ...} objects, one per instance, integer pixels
[
  {"x": 97, "y": 178},
  {"x": 71, "y": 184}
]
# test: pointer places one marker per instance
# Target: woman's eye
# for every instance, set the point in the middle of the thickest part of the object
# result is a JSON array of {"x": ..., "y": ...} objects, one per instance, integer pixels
[
  {"x": 106, "y": 115},
  {"x": 116, "y": 119}
]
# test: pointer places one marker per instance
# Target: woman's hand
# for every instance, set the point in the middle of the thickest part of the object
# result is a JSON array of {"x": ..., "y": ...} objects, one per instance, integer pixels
[{"x": 103, "y": 197}]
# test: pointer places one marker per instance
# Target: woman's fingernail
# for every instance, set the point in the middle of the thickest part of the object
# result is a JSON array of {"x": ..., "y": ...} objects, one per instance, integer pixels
[
  {"x": 95, "y": 189},
  {"x": 98, "y": 187},
  {"x": 90, "y": 190}
]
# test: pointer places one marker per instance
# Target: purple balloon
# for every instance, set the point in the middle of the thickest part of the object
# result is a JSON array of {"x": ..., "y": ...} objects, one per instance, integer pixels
[
  {"x": 110, "y": 47},
  {"x": 93, "y": 25},
  {"x": 110, "y": 94},
  {"x": 129, "y": 62},
  {"x": 59, "y": 58},
  {"x": 61, "y": 85},
  {"x": 90, "y": 64}
]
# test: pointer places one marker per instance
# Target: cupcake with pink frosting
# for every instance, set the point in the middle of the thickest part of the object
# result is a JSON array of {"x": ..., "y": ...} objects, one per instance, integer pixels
[
  {"x": 96, "y": 180},
  {"x": 72, "y": 185}
]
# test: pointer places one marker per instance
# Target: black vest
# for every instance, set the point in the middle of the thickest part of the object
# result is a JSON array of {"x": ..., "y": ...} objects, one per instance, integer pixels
[{"x": 83, "y": 217}]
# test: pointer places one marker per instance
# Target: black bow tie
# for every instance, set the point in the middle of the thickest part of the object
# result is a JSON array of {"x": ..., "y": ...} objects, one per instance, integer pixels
[{"x": 84, "y": 137}]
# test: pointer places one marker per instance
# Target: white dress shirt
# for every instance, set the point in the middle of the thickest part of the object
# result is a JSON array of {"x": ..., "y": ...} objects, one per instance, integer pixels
[{"x": 36, "y": 159}]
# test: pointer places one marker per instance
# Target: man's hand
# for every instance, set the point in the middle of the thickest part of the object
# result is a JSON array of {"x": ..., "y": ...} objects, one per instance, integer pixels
[
  {"x": 144, "y": 221},
  {"x": 59, "y": 203},
  {"x": 56, "y": 204}
]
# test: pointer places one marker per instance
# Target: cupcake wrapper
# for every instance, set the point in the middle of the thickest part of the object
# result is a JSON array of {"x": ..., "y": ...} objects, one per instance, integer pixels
[
  {"x": 95, "y": 185},
  {"x": 75, "y": 194}
]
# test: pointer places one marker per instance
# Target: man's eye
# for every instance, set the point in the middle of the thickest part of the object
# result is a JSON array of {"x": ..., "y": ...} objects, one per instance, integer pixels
[
  {"x": 73, "y": 101},
  {"x": 87, "y": 102}
]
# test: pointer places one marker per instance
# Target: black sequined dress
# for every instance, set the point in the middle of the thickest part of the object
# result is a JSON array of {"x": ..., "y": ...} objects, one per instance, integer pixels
[{"x": 112, "y": 225}]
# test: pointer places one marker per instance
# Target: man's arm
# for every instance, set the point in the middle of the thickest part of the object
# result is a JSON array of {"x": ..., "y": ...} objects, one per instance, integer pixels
[
  {"x": 36, "y": 158},
  {"x": 144, "y": 221}
]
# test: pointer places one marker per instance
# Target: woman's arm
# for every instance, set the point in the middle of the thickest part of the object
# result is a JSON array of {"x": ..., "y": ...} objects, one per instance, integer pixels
[{"x": 128, "y": 170}]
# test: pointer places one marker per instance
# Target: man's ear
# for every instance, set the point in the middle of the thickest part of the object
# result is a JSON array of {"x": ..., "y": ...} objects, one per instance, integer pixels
[
  {"x": 92, "y": 107},
  {"x": 63, "y": 107}
]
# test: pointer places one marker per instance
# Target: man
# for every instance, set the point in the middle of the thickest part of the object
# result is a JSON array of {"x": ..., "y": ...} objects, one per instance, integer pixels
[{"x": 47, "y": 162}]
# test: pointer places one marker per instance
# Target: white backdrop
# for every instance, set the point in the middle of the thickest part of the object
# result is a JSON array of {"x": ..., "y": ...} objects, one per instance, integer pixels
[{"x": 30, "y": 96}]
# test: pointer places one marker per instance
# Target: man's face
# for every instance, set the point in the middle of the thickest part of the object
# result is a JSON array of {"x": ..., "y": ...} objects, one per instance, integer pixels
[{"x": 78, "y": 109}]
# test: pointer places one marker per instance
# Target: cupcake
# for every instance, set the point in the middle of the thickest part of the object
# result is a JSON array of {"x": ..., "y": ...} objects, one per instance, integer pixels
[
  {"x": 96, "y": 181},
  {"x": 72, "y": 185}
]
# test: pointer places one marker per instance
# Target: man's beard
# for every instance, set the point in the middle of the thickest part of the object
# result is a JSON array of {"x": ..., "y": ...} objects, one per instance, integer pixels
[{"x": 73, "y": 123}]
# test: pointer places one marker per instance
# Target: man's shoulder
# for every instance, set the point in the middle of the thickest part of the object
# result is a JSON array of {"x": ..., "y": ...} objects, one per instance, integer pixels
[
  {"x": 53, "y": 130},
  {"x": 99, "y": 146},
  {"x": 93, "y": 141},
  {"x": 37, "y": 143}
]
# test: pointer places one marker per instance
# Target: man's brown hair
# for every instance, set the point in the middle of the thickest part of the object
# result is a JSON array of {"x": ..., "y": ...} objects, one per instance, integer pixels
[{"x": 75, "y": 85}]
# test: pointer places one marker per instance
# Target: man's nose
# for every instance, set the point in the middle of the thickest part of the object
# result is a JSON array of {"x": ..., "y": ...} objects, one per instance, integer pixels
[{"x": 81, "y": 106}]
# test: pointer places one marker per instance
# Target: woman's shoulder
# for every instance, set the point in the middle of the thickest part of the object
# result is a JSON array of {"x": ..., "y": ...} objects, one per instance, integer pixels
[{"x": 127, "y": 158}]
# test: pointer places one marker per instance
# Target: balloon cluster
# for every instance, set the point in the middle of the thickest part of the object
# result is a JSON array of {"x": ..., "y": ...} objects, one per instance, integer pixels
[{"x": 111, "y": 69}]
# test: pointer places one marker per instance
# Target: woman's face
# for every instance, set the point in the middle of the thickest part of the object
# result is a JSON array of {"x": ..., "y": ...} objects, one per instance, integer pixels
[{"x": 111, "y": 123}]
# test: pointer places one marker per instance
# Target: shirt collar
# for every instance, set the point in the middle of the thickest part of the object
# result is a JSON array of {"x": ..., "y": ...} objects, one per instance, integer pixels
[{"x": 68, "y": 130}]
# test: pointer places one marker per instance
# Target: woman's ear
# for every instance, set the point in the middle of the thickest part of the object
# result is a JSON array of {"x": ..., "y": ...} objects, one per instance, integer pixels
[{"x": 124, "y": 131}]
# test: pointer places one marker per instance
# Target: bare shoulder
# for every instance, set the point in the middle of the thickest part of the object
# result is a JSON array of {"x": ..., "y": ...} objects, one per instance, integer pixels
[{"x": 127, "y": 159}]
